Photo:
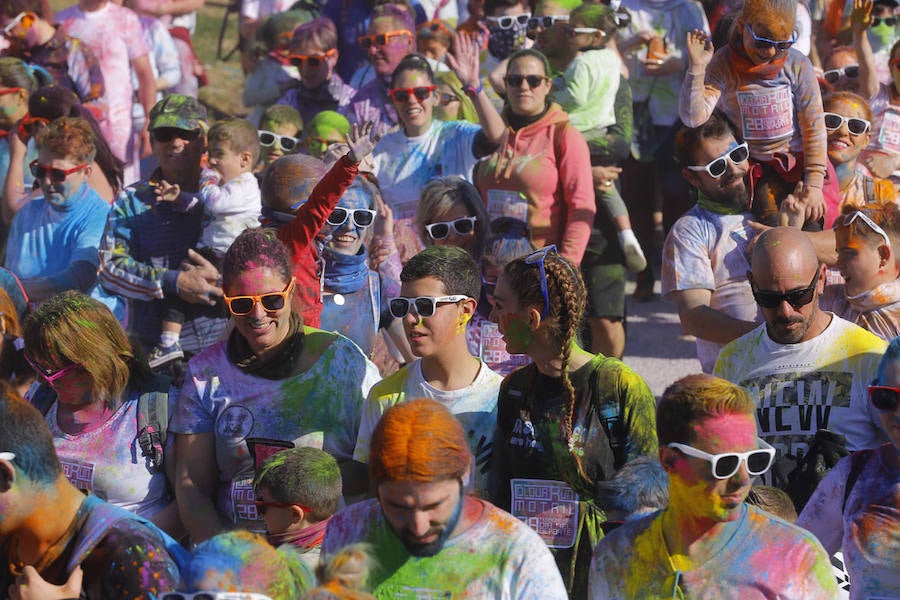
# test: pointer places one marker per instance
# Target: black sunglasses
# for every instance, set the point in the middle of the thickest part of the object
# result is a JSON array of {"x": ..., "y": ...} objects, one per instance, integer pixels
[
  {"x": 890, "y": 21},
  {"x": 533, "y": 81},
  {"x": 884, "y": 397},
  {"x": 167, "y": 134},
  {"x": 796, "y": 298}
]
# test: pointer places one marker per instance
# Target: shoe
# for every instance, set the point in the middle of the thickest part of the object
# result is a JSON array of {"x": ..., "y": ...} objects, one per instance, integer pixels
[
  {"x": 634, "y": 256},
  {"x": 163, "y": 355}
]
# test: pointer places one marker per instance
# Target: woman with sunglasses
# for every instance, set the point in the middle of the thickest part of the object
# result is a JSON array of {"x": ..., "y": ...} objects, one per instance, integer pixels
[
  {"x": 92, "y": 385},
  {"x": 274, "y": 383},
  {"x": 17, "y": 83},
  {"x": 848, "y": 123},
  {"x": 771, "y": 92},
  {"x": 882, "y": 157},
  {"x": 569, "y": 419},
  {"x": 855, "y": 508},
  {"x": 453, "y": 104},
  {"x": 541, "y": 175},
  {"x": 425, "y": 148}
]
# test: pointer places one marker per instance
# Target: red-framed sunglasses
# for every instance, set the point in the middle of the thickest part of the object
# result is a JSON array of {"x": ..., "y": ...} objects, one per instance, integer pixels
[
  {"x": 314, "y": 60},
  {"x": 884, "y": 397},
  {"x": 26, "y": 125},
  {"x": 57, "y": 175},
  {"x": 401, "y": 95},
  {"x": 11, "y": 90}
]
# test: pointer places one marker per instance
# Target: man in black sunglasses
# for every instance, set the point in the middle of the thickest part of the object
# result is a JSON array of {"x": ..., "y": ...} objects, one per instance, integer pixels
[
  {"x": 145, "y": 242},
  {"x": 807, "y": 368},
  {"x": 709, "y": 448}
]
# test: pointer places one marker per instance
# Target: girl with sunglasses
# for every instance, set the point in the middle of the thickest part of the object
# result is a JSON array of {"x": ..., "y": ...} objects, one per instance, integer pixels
[
  {"x": 541, "y": 175},
  {"x": 882, "y": 157},
  {"x": 855, "y": 508},
  {"x": 771, "y": 92},
  {"x": 425, "y": 148},
  {"x": 569, "y": 419},
  {"x": 274, "y": 383}
]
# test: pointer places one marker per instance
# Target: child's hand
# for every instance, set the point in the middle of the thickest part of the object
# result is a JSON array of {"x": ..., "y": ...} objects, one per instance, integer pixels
[
  {"x": 700, "y": 48},
  {"x": 792, "y": 212},
  {"x": 861, "y": 17},
  {"x": 881, "y": 165},
  {"x": 813, "y": 201},
  {"x": 167, "y": 192},
  {"x": 361, "y": 141}
]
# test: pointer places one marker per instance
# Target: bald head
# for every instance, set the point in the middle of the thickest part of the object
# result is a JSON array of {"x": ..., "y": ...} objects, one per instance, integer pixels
[{"x": 783, "y": 256}]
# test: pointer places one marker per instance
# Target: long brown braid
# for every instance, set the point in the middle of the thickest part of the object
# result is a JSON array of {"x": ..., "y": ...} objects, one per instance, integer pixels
[{"x": 566, "y": 292}]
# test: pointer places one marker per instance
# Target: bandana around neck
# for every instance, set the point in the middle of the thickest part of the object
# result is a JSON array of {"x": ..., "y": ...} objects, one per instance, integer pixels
[
  {"x": 745, "y": 67},
  {"x": 345, "y": 274}
]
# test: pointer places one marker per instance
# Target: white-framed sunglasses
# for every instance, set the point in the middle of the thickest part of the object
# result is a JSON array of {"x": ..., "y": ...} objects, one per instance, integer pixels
[
  {"x": 726, "y": 464},
  {"x": 508, "y": 21},
  {"x": 361, "y": 217},
  {"x": 7, "y": 456},
  {"x": 717, "y": 166},
  {"x": 441, "y": 229},
  {"x": 14, "y": 23},
  {"x": 268, "y": 138},
  {"x": 855, "y": 125},
  {"x": 857, "y": 214},
  {"x": 424, "y": 306}
]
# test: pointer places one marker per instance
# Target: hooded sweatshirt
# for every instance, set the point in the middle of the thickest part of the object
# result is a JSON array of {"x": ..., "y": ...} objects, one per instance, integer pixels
[{"x": 542, "y": 175}]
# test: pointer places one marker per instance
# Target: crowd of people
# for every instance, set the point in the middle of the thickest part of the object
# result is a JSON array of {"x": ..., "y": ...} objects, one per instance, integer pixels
[{"x": 366, "y": 339}]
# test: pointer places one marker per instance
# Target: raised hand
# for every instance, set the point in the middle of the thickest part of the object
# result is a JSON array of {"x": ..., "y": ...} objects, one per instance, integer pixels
[
  {"x": 700, "y": 48},
  {"x": 361, "y": 141},
  {"x": 382, "y": 245},
  {"x": 463, "y": 59},
  {"x": 861, "y": 16},
  {"x": 166, "y": 192}
]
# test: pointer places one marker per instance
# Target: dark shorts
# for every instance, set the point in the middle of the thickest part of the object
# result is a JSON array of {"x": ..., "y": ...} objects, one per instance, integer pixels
[{"x": 605, "y": 283}]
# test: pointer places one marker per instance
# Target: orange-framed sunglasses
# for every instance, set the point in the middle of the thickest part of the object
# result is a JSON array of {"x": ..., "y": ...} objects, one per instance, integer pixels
[
  {"x": 243, "y": 305},
  {"x": 314, "y": 60},
  {"x": 380, "y": 39}
]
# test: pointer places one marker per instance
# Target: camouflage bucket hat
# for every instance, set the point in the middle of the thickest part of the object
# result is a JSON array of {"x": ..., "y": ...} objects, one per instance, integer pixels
[{"x": 179, "y": 112}]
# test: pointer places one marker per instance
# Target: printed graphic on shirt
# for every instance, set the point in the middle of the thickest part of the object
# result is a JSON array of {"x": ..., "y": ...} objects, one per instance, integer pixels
[
  {"x": 234, "y": 424},
  {"x": 79, "y": 473},
  {"x": 550, "y": 508},
  {"x": 507, "y": 203},
  {"x": 767, "y": 114},
  {"x": 889, "y": 136},
  {"x": 523, "y": 433}
]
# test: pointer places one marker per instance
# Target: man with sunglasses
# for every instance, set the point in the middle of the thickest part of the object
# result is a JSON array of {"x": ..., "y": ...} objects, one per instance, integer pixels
[
  {"x": 146, "y": 241},
  {"x": 808, "y": 369},
  {"x": 709, "y": 543},
  {"x": 705, "y": 256}
]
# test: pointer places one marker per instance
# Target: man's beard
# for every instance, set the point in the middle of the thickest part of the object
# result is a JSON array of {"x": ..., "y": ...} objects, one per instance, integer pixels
[
  {"x": 432, "y": 548},
  {"x": 737, "y": 198}
]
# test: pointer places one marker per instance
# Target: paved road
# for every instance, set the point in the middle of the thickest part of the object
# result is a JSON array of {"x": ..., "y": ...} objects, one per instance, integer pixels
[{"x": 655, "y": 346}]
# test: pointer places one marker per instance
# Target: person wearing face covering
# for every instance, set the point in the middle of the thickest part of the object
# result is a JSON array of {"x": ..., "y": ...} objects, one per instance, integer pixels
[{"x": 54, "y": 238}]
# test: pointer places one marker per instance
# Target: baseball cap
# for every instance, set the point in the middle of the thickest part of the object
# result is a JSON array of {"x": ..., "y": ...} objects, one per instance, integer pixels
[{"x": 178, "y": 112}]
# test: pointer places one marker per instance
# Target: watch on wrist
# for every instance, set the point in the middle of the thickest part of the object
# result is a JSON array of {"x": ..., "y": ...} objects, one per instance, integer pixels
[{"x": 471, "y": 91}]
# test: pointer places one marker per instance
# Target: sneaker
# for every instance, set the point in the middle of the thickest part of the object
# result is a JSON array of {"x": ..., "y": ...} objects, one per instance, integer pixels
[
  {"x": 163, "y": 355},
  {"x": 634, "y": 256}
]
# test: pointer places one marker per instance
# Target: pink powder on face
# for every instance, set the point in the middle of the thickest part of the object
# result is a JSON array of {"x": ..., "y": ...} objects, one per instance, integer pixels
[{"x": 730, "y": 432}]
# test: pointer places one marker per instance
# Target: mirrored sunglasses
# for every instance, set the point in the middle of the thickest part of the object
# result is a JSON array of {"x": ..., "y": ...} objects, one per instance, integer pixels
[
  {"x": 726, "y": 464},
  {"x": 834, "y": 75},
  {"x": 884, "y": 397},
  {"x": 546, "y": 21},
  {"x": 401, "y": 95},
  {"x": 717, "y": 167},
  {"x": 855, "y": 125},
  {"x": 380, "y": 39},
  {"x": 796, "y": 298},
  {"x": 509, "y": 21},
  {"x": 441, "y": 229},
  {"x": 515, "y": 81},
  {"x": 763, "y": 43},
  {"x": 56, "y": 175},
  {"x": 361, "y": 217},
  {"x": 424, "y": 306},
  {"x": 268, "y": 138},
  {"x": 273, "y": 301}
]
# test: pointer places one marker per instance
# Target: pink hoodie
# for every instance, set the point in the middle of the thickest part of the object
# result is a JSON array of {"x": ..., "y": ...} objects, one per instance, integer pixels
[{"x": 524, "y": 180}]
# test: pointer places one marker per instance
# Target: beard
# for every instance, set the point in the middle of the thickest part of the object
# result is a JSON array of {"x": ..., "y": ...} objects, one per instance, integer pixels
[
  {"x": 735, "y": 197},
  {"x": 432, "y": 548}
]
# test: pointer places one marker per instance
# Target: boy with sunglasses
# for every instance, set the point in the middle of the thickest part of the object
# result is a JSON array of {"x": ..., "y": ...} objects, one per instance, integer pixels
[
  {"x": 228, "y": 196},
  {"x": 438, "y": 296},
  {"x": 808, "y": 369},
  {"x": 770, "y": 91},
  {"x": 709, "y": 543}
]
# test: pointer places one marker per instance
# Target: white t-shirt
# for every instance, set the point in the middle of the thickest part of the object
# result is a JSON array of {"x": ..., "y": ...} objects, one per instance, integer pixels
[
  {"x": 867, "y": 531},
  {"x": 258, "y": 10},
  {"x": 404, "y": 165},
  {"x": 817, "y": 384},
  {"x": 710, "y": 251},
  {"x": 107, "y": 462},
  {"x": 319, "y": 408},
  {"x": 475, "y": 406},
  {"x": 234, "y": 207},
  {"x": 497, "y": 557}
]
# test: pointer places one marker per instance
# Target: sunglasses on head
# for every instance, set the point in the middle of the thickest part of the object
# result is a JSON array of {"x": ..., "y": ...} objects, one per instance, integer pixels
[
  {"x": 834, "y": 75},
  {"x": 165, "y": 135},
  {"x": 855, "y": 125},
  {"x": 361, "y": 217},
  {"x": 726, "y": 464},
  {"x": 23, "y": 17},
  {"x": 537, "y": 258},
  {"x": 889, "y": 21},
  {"x": 56, "y": 175},
  {"x": 314, "y": 60},
  {"x": 858, "y": 214},
  {"x": 884, "y": 397},
  {"x": 424, "y": 306},
  {"x": 401, "y": 95},
  {"x": 271, "y": 302},
  {"x": 28, "y": 124},
  {"x": 50, "y": 375},
  {"x": 717, "y": 167},
  {"x": 441, "y": 229},
  {"x": 546, "y": 21},
  {"x": 796, "y": 298},
  {"x": 213, "y": 596},
  {"x": 508, "y": 21},
  {"x": 379, "y": 39},
  {"x": 780, "y": 46},
  {"x": 515, "y": 81},
  {"x": 573, "y": 31},
  {"x": 268, "y": 138},
  {"x": 7, "y": 455}
]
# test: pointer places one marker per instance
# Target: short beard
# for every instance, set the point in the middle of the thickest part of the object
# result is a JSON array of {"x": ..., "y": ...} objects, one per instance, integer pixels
[{"x": 433, "y": 548}]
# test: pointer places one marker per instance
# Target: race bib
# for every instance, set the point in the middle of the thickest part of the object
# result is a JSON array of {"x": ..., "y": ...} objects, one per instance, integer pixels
[
  {"x": 767, "y": 114},
  {"x": 493, "y": 350},
  {"x": 889, "y": 136},
  {"x": 243, "y": 506},
  {"x": 550, "y": 508},
  {"x": 79, "y": 473},
  {"x": 507, "y": 203}
]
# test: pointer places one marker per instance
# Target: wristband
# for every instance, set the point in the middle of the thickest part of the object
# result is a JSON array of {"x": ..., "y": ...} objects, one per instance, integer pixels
[{"x": 472, "y": 91}]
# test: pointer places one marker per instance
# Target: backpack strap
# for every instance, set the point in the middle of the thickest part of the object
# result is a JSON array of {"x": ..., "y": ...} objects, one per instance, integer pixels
[
  {"x": 153, "y": 420},
  {"x": 43, "y": 398},
  {"x": 857, "y": 464}
]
